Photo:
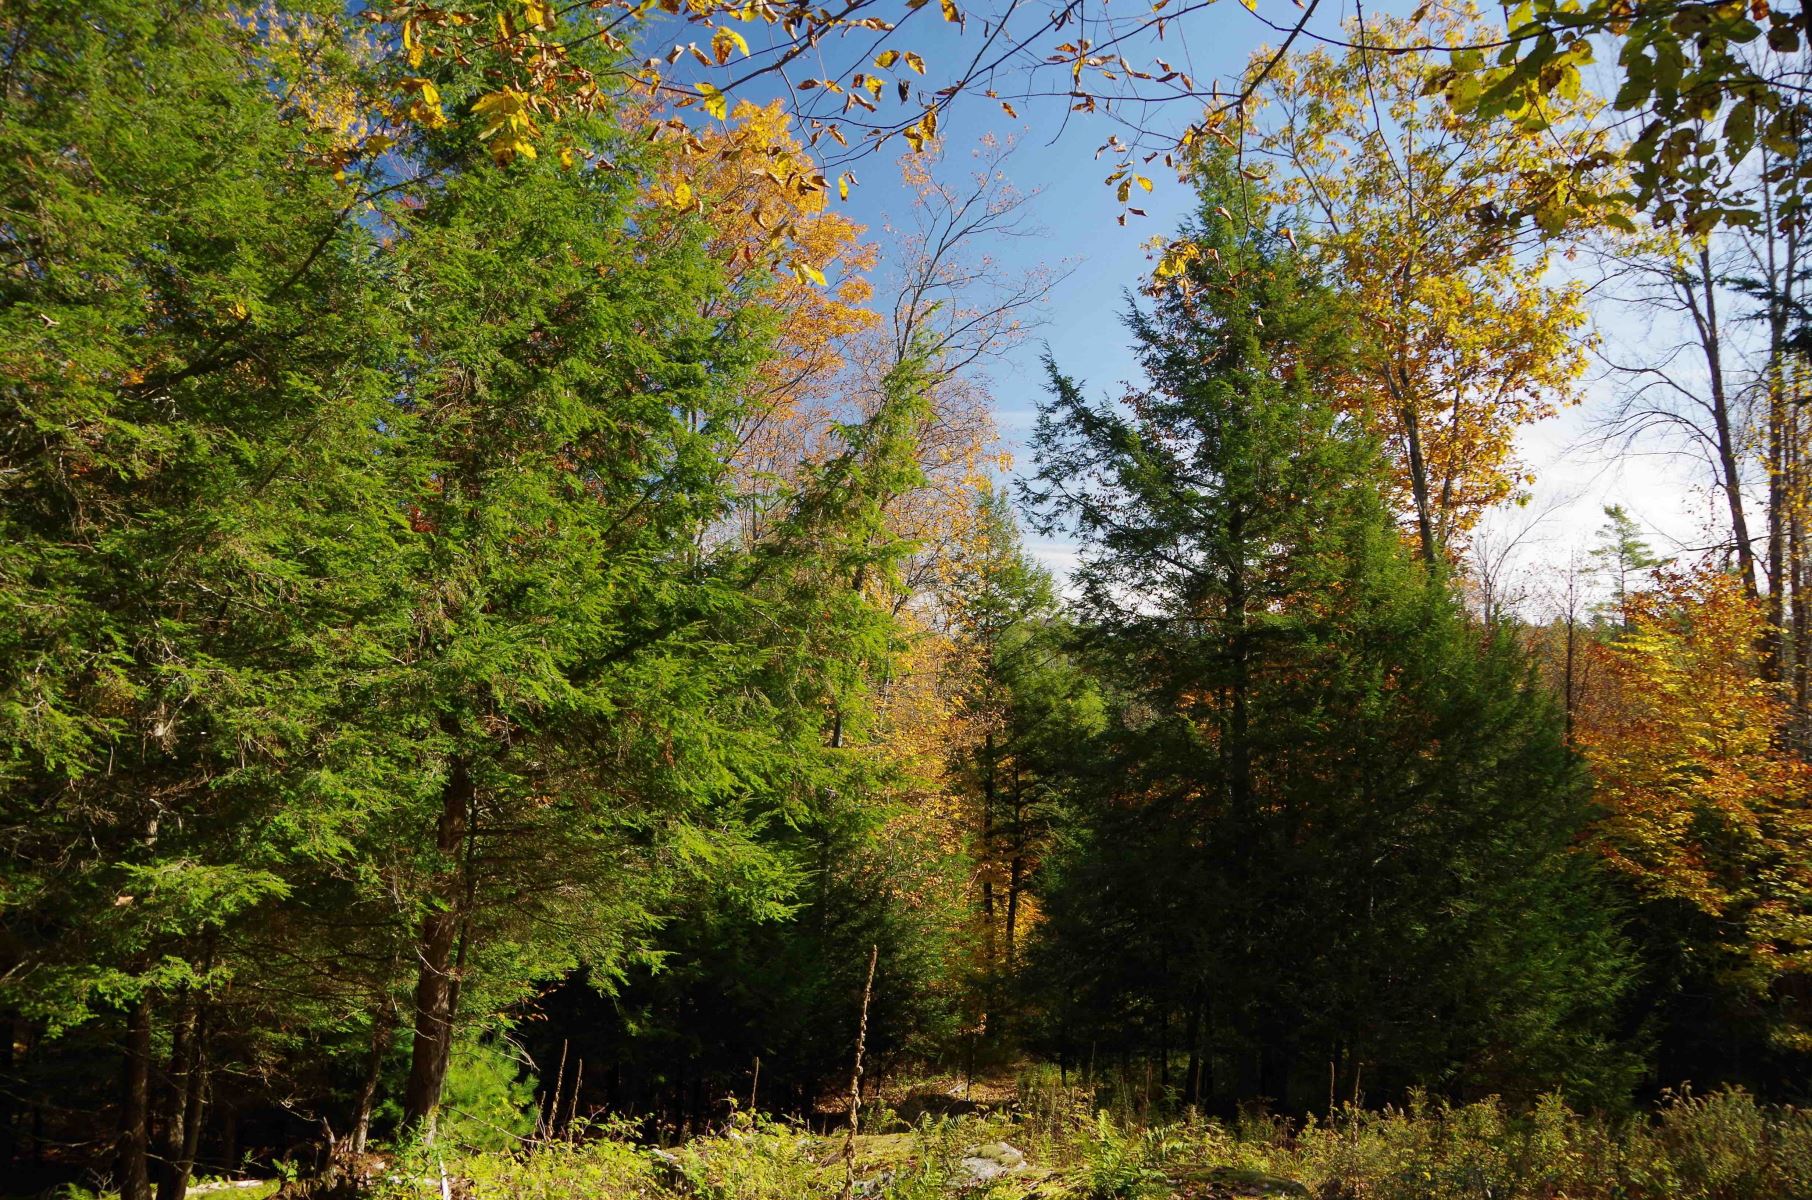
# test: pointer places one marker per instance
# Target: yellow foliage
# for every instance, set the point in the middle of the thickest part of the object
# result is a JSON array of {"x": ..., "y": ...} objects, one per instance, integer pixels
[
  {"x": 1702, "y": 804},
  {"x": 1400, "y": 199}
]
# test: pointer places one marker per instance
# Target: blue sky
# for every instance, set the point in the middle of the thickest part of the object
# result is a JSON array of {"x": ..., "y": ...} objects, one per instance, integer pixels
[{"x": 1055, "y": 157}]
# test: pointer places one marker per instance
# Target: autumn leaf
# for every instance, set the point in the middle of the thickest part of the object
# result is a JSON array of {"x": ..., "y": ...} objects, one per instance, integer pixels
[
  {"x": 509, "y": 125},
  {"x": 425, "y": 109},
  {"x": 887, "y": 58},
  {"x": 1008, "y": 109},
  {"x": 915, "y": 62},
  {"x": 950, "y": 11},
  {"x": 716, "y": 103},
  {"x": 726, "y": 40}
]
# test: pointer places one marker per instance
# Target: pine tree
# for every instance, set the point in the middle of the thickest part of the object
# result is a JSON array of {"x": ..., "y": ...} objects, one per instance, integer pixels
[
  {"x": 187, "y": 425},
  {"x": 1621, "y": 555},
  {"x": 1329, "y": 826},
  {"x": 1029, "y": 703}
]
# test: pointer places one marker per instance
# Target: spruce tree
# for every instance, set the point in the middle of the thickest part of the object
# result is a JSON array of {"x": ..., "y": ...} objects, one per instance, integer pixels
[
  {"x": 1332, "y": 824},
  {"x": 188, "y": 420}
]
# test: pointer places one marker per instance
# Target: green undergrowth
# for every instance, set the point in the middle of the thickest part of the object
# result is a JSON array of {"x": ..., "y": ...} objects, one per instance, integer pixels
[{"x": 1722, "y": 1146}]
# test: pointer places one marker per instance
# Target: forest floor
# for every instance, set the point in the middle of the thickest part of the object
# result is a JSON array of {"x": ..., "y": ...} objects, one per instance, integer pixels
[{"x": 1044, "y": 1141}]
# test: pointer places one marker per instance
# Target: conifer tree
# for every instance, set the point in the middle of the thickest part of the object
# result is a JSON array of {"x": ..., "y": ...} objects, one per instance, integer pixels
[
  {"x": 187, "y": 429},
  {"x": 1332, "y": 823}
]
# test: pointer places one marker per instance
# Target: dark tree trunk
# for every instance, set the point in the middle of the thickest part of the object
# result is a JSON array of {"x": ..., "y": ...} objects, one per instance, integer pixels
[
  {"x": 1192, "y": 1083},
  {"x": 1723, "y": 422},
  {"x": 1802, "y": 669},
  {"x": 194, "y": 1104},
  {"x": 383, "y": 1028},
  {"x": 182, "y": 1105},
  {"x": 1418, "y": 485},
  {"x": 1016, "y": 871},
  {"x": 987, "y": 849},
  {"x": 432, "y": 1047},
  {"x": 135, "y": 1105}
]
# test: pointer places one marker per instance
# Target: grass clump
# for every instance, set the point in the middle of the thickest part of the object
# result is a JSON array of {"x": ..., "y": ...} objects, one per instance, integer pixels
[{"x": 1720, "y": 1146}]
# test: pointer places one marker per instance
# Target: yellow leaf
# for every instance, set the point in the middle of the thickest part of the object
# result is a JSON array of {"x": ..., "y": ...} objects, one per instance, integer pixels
[
  {"x": 715, "y": 102},
  {"x": 950, "y": 11},
  {"x": 538, "y": 13},
  {"x": 1251, "y": 5},
  {"x": 424, "y": 110},
  {"x": 412, "y": 43},
  {"x": 682, "y": 194},
  {"x": 843, "y": 186},
  {"x": 1123, "y": 191},
  {"x": 814, "y": 274},
  {"x": 724, "y": 41},
  {"x": 915, "y": 62},
  {"x": 1143, "y": 182},
  {"x": 509, "y": 124},
  {"x": 887, "y": 58}
]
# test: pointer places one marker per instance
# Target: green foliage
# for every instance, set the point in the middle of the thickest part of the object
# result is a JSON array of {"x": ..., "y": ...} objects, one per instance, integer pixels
[
  {"x": 1702, "y": 92},
  {"x": 1329, "y": 820},
  {"x": 1620, "y": 557},
  {"x": 369, "y": 620},
  {"x": 1723, "y": 1146},
  {"x": 382, "y": 642},
  {"x": 489, "y": 1097}
]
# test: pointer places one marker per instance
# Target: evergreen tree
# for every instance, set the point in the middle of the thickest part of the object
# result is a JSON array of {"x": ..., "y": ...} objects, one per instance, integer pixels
[
  {"x": 1329, "y": 825},
  {"x": 188, "y": 423},
  {"x": 1031, "y": 702},
  {"x": 1621, "y": 555},
  {"x": 373, "y": 648},
  {"x": 613, "y": 705}
]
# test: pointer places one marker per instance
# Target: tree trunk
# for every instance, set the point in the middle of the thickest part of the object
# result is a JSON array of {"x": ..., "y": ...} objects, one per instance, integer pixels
[
  {"x": 135, "y": 1105},
  {"x": 182, "y": 1105},
  {"x": 1569, "y": 702},
  {"x": 1796, "y": 575},
  {"x": 1776, "y": 657},
  {"x": 987, "y": 849},
  {"x": 1729, "y": 454},
  {"x": 194, "y": 1104},
  {"x": 382, "y": 1029},
  {"x": 1016, "y": 868},
  {"x": 1418, "y": 486},
  {"x": 432, "y": 1047},
  {"x": 1015, "y": 884},
  {"x": 1192, "y": 1082}
]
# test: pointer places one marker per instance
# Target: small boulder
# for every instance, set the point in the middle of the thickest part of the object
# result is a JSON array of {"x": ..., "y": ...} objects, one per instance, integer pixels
[{"x": 983, "y": 1164}]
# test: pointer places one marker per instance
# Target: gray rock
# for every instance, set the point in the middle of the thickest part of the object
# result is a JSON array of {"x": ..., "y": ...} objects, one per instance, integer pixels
[{"x": 983, "y": 1164}]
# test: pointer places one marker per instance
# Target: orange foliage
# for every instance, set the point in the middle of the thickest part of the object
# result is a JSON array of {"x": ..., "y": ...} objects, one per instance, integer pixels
[{"x": 1702, "y": 805}]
